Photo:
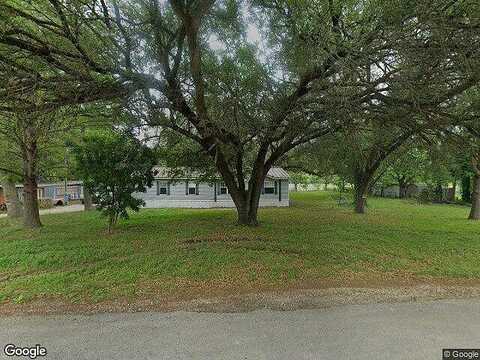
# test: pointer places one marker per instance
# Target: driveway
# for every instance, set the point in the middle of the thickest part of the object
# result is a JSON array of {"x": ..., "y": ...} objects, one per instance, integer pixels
[
  {"x": 58, "y": 210},
  {"x": 417, "y": 330}
]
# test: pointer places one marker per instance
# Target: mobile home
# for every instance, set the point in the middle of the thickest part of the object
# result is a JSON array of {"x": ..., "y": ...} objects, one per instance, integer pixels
[{"x": 189, "y": 191}]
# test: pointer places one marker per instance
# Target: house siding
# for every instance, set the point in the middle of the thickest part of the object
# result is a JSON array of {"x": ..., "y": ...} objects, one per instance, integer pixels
[{"x": 50, "y": 192}]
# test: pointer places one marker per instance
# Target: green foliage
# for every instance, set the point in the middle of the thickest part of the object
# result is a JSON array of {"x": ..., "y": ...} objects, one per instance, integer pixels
[
  {"x": 50, "y": 131},
  {"x": 299, "y": 178},
  {"x": 113, "y": 166},
  {"x": 183, "y": 155},
  {"x": 406, "y": 167}
]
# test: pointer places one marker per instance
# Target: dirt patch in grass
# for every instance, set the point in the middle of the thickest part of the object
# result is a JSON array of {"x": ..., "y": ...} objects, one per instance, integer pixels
[{"x": 223, "y": 238}]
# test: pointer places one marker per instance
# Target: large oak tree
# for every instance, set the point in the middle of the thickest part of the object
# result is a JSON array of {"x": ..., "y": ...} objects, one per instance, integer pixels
[{"x": 245, "y": 105}]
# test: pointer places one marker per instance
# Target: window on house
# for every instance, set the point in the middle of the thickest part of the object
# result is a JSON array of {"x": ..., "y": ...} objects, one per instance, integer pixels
[
  {"x": 223, "y": 189},
  {"x": 163, "y": 188},
  {"x": 270, "y": 187},
  {"x": 191, "y": 188}
]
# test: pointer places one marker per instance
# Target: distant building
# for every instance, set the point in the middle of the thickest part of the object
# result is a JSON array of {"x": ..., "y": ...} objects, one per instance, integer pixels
[
  {"x": 393, "y": 191},
  {"x": 54, "y": 191}
]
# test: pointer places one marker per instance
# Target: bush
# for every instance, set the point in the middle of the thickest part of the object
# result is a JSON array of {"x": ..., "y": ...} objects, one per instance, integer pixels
[{"x": 45, "y": 203}]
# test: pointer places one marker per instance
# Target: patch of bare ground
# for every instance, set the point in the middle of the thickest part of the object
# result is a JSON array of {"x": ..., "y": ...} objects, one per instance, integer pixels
[
  {"x": 186, "y": 295},
  {"x": 223, "y": 238}
]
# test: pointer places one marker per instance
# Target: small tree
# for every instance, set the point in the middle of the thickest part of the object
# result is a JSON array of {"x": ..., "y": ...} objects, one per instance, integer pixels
[{"x": 113, "y": 166}]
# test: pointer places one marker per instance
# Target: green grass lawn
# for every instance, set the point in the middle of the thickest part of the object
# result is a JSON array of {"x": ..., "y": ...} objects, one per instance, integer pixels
[{"x": 187, "y": 253}]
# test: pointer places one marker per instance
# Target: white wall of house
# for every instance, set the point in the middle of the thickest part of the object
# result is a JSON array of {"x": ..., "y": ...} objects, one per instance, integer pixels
[{"x": 177, "y": 196}]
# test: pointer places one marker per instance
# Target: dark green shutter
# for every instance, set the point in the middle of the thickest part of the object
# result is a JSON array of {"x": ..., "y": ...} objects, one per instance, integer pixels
[
  {"x": 279, "y": 190},
  {"x": 196, "y": 189},
  {"x": 186, "y": 187},
  {"x": 158, "y": 187},
  {"x": 168, "y": 188},
  {"x": 276, "y": 190}
]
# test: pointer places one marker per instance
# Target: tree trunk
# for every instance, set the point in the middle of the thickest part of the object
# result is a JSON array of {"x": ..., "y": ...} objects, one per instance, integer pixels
[
  {"x": 31, "y": 214},
  {"x": 247, "y": 201},
  {"x": 247, "y": 207},
  {"x": 362, "y": 185},
  {"x": 14, "y": 206},
  {"x": 360, "y": 201},
  {"x": 466, "y": 189},
  {"x": 475, "y": 210},
  {"x": 402, "y": 189},
  {"x": 438, "y": 193},
  {"x": 111, "y": 223},
  {"x": 87, "y": 199},
  {"x": 247, "y": 215}
]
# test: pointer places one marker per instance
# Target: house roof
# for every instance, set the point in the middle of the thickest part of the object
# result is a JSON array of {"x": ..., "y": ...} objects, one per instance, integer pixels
[
  {"x": 167, "y": 173},
  {"x": 277, "y": 173}
]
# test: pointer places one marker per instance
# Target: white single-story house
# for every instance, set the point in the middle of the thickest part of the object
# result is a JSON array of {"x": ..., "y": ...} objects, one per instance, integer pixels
[{"x": 191, "y": 192}]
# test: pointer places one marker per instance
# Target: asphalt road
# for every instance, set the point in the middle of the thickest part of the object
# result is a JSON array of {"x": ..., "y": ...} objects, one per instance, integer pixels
[{"x": 375, "y": 331}]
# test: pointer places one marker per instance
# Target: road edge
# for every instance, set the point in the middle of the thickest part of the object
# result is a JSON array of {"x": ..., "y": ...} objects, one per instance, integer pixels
[{"x": 272, "y": 300}]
